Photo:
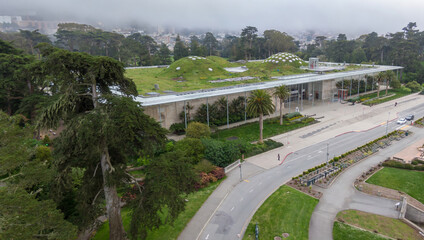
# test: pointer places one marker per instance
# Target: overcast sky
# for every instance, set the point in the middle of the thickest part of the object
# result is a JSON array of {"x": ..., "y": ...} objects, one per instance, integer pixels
[{"x": 338, "y": 16}]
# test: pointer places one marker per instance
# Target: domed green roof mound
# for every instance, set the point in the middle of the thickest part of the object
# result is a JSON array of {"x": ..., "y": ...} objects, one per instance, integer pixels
[
  {"x": 193, "y": 67},
  {"x": 219, "y": 60},
  {"x": 285, "y": 59}
]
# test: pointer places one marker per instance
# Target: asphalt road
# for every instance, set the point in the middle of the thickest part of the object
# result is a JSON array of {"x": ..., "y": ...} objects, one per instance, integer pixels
[
  {"x": 232, "y": 216},
  {"x": 342, "y": 195}
]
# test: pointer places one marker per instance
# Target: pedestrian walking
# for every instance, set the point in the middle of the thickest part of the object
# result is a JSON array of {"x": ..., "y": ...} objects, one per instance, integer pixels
[
  {"x": 395, "y": 104},
  {"x": 397, "y": 205},
  {"x": 278, "y": 157}
]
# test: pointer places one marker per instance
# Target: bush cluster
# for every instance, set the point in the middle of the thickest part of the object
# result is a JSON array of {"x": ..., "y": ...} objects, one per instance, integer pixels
[{"x": 397, "y": 164}]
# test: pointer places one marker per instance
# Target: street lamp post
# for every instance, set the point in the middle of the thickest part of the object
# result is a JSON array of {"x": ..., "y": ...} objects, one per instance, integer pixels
[
  {"x": 327, "y": 153},
  {"x": 241, "y": 176}
]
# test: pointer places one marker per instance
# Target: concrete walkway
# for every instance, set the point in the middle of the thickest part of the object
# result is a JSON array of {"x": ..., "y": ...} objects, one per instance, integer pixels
[
  {"x": 342, "y": 195},
  {"x": 338, "y": 119}
]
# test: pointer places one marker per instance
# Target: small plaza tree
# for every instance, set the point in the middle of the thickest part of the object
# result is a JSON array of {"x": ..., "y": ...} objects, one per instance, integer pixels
[
  {"x": 260, "y": 104},
  {"x": 282, "y": 92}
]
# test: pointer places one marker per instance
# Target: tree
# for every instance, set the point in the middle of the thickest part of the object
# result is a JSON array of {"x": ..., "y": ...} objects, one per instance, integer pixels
[
  {"x": 103, "y": 132},
  {"x": 276, "y": 41},
  {"x": 80, "y": 79},
  {"x": 210, "y": 43},
  {"x": 195, "y": 48},
  {"x": 282, "y": 92},
  {"x": 260, "y": 103},
  {"x": 16, "y": 81},
  {"x": 198, "y": 130},
  {"x": 26, "y": 210},
  {"x": 248, "y": 35},
  {"x": 164, "y": 55},
  {"x": 180, "y": 50},
  {"x": 380, "y": 76},
  {"x": 389, "y": 76}
]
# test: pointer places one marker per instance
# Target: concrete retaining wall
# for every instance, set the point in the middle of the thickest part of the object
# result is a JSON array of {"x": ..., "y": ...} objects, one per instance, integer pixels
[{"x": 414, "y": 214}]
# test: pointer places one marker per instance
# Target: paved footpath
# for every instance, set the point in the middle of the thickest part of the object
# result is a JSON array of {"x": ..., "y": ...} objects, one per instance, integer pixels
[
  {"x": 342, "y": 195},
  {"x": 337, "y": 119}
]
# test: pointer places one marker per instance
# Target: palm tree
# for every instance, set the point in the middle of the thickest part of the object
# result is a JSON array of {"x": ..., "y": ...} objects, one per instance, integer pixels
[
  {"x": 379, "y": 78},
  {"x": 282, "y": 92},
  {"x": 260, "y": 103},
  {"x": 390, "y": 75}
]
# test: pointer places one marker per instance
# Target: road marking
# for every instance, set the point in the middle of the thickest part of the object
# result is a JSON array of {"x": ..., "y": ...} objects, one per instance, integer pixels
[
  {"x": 319, "y": 151},
  {"x": 232, "y": 209},
  {"x": 404, "y": 127},
  {"x": 382, "y": 123},
  {"x": 251, "y": 190},
  {"x": 260, "y": 183},
  {"x": 246, "y": 180},
  {"x": 207, "y": 236},
  {"x": 241, "y": 199}
]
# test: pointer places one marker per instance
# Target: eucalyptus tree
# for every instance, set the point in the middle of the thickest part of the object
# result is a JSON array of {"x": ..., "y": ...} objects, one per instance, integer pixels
[
  {"x": 282, "y": 92},
  {"x": 260, "y": 104}
]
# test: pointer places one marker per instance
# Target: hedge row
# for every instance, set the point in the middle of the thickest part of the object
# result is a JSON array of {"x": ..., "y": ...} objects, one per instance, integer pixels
[{"x": 397, "y": 164}]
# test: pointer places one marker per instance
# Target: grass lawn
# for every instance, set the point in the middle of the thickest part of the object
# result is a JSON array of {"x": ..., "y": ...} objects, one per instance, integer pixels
[
  {"x": 343, "y": 231},
  {"x": 285, "y": 211},
  {"x": 398, "y": 94},
  {"x": 390, "y": 227},
  {"x": 195, "y": 201},
  {"x": 250, "y": 131},
  {"x": 410, "y": 182}
]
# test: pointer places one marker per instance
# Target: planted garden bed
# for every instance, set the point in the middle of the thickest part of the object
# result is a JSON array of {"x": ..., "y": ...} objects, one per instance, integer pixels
[{"x": 322, "y": 175}]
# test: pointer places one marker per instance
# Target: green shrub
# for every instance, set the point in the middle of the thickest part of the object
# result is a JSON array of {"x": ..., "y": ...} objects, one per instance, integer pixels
[
  {"x": 292, "y": 115},
  {"x": 43, "y": 154},
  {"x": 220, "y": 153},
  {"x": 47, "y": 141},
  {"x": 405, "y": 89},
  {"x": 198, "y": 130},
  {"x": 204, "y": 166},
  {"x": 395, "y": 84},
  {"x": 414, "y": 86},
  {"x": 177, "y": 128},
  {"x": 192, "y": 148}
]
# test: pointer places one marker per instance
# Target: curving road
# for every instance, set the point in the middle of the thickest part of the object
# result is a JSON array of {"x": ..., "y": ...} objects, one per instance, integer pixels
[
  {"x": 235, "y": 211},
  {"x": 342, "y": 195}
]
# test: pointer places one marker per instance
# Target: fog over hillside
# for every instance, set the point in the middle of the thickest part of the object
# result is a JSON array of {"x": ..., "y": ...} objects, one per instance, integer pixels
[{"x": 350, "y": 17}]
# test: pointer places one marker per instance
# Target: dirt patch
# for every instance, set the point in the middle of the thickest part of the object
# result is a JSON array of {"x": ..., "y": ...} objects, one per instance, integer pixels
[{"x": 307, "y": 190}]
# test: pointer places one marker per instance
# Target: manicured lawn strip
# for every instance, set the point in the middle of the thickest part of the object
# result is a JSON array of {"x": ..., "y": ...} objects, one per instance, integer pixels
[
  {"x": 398, "y": 93},
  {"x": 390, "y": 227},
  {"x": 285, "y": 211},
  {"x": 195, "y": 201},
  {"x": 410, "y": 182},
  {"x": 250, "y": 131},
  {"x": 343, "y": 231}
]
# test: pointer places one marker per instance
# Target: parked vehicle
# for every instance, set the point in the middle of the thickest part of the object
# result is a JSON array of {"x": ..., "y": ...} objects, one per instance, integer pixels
[
  {"x": 401, "y": 121},
  {"x": 410, "y": 117}
]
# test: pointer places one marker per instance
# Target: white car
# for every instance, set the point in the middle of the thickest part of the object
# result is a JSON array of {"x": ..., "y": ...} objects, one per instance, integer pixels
[{"x": 401, "y": 121}]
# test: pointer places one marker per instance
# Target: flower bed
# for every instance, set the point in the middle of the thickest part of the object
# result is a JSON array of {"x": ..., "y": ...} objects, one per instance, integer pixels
[{"x": 322, "y": 175}]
